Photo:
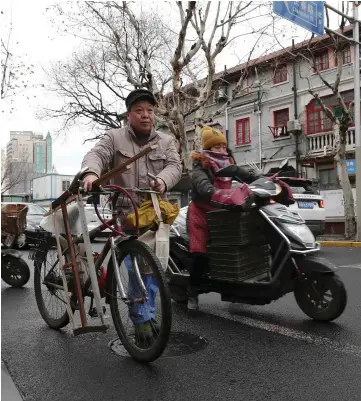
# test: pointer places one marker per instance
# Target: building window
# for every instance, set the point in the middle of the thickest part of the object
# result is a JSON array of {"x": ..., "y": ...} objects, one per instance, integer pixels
[
  {"x": 328, "y": 177},
  {"x": 318, "y": 122},
  {"x": 243, "y": 132},
  {"x": 65, "y": 185},
  {"x": 346, "y": 55},
  {"x": 280, "y": 74},
  {"x": 281, "y": 117},
  {"x": 322, "y": 61}
]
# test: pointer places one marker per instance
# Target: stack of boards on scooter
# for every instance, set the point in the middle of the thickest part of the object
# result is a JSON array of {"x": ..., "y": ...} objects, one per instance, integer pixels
[{"x": 238, "y": 250}]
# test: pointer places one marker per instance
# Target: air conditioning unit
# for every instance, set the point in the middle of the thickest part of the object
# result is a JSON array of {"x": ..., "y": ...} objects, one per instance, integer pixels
[
  {"x": 294, "y": 127},
  {"x": 220, "y": 94}
]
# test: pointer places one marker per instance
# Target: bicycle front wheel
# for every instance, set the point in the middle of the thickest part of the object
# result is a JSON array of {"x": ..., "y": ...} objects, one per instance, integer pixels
[{"x": 139, "y": 300}]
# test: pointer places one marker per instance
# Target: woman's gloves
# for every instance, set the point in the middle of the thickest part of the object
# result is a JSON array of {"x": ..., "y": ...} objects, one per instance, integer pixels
[{"x": 235, "y": 198}]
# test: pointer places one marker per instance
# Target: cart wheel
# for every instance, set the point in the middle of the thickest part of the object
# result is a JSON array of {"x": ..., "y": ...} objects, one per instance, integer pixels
[{"x": 51, "y": 301}]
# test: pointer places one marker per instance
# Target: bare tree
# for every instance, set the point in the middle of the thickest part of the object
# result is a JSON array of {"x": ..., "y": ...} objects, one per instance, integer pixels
[
  {"x": 14, "y": 172},
  {"x": 113, "y": 59},
  {"x": 15, "y": 73},
  {"x": 341, "y": 118},
  {"x": 125, "y": 49}
]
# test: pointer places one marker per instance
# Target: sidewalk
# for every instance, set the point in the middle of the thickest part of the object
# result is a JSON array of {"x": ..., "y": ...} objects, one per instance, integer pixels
[
  {"x": 337, "y": 241},
  {"x": 9, "y": 391}
]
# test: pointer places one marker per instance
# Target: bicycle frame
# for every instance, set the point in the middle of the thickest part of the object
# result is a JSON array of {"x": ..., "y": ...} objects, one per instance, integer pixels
[{"x": 74, "y": 193}]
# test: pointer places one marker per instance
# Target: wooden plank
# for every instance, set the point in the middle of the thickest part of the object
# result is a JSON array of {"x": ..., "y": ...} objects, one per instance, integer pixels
[
  {"x": 123, "y": 167},
  {"x": 110, "y": 174},
  {"x": 90, "y": 329}
]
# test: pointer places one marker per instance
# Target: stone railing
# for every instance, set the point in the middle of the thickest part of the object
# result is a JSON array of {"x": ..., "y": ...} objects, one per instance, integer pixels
[{"x": 318, "y": 143}]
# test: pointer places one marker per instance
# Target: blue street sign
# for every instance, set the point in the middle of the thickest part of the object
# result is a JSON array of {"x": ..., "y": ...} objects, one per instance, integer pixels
[
  {"x": 351, "y": 166},
  {"x": 308, "y": 14}
]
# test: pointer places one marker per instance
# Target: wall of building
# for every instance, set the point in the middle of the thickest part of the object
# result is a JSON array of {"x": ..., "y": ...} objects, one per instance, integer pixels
[
  {"x": 50, "y": 187},
  {"x": 275, "y": 97}
]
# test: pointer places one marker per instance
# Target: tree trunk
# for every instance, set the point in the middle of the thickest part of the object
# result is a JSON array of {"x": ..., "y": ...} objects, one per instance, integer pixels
[
  {"x": 198, "y": 123},
  {"x": 349, "y": 204}
]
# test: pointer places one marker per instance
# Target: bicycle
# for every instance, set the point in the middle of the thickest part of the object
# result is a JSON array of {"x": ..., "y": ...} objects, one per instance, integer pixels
[{"x": 79, "y": 273}]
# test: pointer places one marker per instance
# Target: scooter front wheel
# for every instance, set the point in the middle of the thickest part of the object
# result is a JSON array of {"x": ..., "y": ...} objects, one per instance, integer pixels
[{"x": 322, "y": 297}]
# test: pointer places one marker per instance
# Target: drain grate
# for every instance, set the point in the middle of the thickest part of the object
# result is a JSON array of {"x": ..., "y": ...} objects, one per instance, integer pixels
[{"x": 179, "y": 344}]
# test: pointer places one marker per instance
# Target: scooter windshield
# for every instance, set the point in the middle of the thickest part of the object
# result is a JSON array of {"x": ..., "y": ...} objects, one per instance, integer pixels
[{"x": 264, "y": 187}]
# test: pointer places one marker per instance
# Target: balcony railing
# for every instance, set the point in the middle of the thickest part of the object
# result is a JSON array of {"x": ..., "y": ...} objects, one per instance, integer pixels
[
  {"x": 279, "y": 131},
  {"x": 320, "y": 143}
]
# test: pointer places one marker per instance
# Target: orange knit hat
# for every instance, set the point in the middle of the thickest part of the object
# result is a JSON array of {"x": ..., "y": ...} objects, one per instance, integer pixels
[{"x": 211, "y": 137}]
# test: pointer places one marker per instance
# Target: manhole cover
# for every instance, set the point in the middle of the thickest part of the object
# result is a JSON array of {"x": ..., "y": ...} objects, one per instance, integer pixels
[{"x": 179, "y": 344}]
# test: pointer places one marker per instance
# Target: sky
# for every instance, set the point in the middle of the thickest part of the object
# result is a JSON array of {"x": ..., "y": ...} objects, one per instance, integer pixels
[{"x": 35, "y": 39}]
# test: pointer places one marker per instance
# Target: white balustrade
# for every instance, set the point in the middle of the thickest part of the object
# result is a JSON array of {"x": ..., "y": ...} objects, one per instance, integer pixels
[{"x": 318, "y": 142}]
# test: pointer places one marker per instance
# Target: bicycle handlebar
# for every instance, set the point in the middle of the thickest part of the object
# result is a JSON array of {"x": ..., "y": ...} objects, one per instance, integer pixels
[{"x": 70, "y": 195}]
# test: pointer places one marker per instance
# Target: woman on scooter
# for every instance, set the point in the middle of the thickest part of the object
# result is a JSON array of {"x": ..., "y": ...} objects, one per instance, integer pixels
[{"x": 213, "y": 156}]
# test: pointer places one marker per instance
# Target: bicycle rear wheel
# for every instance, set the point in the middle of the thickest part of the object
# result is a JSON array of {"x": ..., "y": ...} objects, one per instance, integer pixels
[{"x": 142, "y": 316}]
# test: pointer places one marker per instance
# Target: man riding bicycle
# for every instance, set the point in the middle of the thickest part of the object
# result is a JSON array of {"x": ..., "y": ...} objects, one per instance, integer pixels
[{"x": 115, "y": 148}]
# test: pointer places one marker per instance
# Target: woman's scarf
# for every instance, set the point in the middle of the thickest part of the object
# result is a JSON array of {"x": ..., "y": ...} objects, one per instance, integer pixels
[{"x": 218, "y": 160}]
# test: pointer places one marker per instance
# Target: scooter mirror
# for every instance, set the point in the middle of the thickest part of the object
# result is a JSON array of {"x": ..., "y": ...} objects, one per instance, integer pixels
[{"x": 283, "y": 164}]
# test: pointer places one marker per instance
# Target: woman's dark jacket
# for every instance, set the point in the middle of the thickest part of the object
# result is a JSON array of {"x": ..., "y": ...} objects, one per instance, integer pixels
[{"x": 203, "y": 178}]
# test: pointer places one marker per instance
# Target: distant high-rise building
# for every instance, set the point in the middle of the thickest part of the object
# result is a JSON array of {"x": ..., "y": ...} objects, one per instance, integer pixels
[
  {"x": 29, "y": 155},
  {"x": 26, "y": 146},
  {"x": 49, "y": 153},
  {"x": 3, "y": 165}
]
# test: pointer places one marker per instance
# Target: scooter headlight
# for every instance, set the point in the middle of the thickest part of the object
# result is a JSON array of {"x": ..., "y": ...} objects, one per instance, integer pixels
[{"x": 303, "y": 233}]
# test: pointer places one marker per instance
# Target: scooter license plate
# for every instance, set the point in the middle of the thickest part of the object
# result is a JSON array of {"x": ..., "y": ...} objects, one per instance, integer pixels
[{"x": 306, "y": 205}]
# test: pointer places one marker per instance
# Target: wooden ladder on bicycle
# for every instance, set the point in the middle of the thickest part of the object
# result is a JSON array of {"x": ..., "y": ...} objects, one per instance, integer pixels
[{"x": 61, "y": 204}]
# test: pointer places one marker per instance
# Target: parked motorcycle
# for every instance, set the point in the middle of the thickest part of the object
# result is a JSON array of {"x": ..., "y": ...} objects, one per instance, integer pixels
[
  {"x": 14, "y": 270},
  {"x": 260, "y": 253}
]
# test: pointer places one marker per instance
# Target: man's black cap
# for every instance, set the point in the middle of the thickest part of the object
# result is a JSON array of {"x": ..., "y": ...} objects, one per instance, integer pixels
[{"x": 139, "y": 94}]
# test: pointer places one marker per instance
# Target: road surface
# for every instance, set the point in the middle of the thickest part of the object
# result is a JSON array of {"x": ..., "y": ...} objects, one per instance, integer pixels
[{"x": 249, "y": 353}]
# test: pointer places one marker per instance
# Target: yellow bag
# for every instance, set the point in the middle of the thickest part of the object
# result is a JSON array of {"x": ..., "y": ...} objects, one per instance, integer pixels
[{"x": 148, "y": 216}]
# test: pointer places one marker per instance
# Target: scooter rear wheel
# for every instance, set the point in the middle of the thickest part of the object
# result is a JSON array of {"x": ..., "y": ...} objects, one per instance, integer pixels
[
  {"x": 322, "y": 297},
  {"x": 14, "y": 271}
]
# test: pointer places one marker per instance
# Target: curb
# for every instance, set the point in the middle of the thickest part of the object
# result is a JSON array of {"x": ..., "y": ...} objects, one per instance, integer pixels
[{"x": 341, "y": 244}]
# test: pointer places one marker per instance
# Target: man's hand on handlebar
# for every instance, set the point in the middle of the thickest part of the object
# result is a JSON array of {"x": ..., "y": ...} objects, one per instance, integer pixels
[
  {"x": 88, "y": 182},
  {"x": 158, "y": 185}
]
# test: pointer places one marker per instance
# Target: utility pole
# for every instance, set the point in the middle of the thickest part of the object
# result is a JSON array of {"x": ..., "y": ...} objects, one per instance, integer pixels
[
  {"x": 356, "y": 35},
  {"x": 294, "y": 88}
]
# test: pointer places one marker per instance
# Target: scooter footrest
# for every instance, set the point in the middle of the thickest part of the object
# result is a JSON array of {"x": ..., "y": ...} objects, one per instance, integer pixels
[{"x": 90, "y": 329}]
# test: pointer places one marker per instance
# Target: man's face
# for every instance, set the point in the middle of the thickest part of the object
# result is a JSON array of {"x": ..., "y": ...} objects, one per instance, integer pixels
[{"x": 141, "y": 117}]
